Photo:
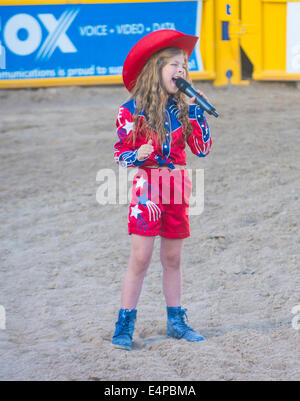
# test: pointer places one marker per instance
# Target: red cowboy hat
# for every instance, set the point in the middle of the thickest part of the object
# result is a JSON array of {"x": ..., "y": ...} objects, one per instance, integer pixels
[{"x": 150, "y": 44}]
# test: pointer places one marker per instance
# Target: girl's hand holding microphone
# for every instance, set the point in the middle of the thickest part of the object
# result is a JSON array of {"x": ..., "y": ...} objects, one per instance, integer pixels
[
  {"x": 193, "y": 99},
  {"x": 145, "y": 151}
]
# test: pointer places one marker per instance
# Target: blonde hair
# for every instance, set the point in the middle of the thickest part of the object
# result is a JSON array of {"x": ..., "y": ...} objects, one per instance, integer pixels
[{"x": 151, "y": 98}]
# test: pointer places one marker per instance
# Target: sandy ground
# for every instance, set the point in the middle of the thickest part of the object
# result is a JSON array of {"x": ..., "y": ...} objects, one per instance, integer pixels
[{"x": 63, "y": 254}]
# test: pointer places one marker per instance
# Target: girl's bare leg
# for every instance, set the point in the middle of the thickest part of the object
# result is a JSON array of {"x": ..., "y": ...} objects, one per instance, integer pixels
[
  {"x": 140, "y": 258},
  {"x": 170, "y": 256}
]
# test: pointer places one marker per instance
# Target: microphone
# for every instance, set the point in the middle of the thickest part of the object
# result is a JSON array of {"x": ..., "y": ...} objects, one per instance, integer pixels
[{"x": 186, "y": 88}]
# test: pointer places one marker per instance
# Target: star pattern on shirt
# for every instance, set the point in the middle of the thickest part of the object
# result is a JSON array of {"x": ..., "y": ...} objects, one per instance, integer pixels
[
  {"x": 128, "y": 126},
  {"x": 140, "y": 182}
]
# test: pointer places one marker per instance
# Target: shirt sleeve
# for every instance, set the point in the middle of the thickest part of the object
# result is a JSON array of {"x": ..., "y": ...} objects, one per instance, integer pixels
[
  {"x": 125, "y": 153},
  {"x": 200, "y": 140}
]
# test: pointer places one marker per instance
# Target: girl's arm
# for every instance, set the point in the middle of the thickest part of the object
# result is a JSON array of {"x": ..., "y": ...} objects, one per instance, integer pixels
[
  {"x": 199, "y": 141},
  {"x": 126, "y": 154}
]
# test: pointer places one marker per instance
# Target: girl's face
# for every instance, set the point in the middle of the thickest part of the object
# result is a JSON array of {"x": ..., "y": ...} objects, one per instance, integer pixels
[{"x": 176, "y": 67}]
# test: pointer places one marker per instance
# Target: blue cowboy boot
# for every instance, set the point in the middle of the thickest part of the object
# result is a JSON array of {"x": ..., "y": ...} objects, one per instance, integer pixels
[
  {"x": 122, "y": 337},
  {"x": 177, "y": 327}
]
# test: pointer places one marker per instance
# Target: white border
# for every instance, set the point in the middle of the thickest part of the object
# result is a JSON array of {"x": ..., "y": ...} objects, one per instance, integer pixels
[{"x": 293, "y": 38}]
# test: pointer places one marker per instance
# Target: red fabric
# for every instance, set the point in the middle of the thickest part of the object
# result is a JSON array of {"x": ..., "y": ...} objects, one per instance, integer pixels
[
  {"x": 199, "y": 141},
  {"x": 160, "y": 203},
  {"x": 152, "y": 210}
]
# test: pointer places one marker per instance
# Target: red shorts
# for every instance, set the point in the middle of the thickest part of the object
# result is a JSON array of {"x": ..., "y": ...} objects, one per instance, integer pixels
[{"x": 160, "y": 203}]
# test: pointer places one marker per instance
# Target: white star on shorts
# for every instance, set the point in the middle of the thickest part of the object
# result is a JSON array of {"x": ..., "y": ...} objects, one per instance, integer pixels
[{"x": 135, "y": 211}]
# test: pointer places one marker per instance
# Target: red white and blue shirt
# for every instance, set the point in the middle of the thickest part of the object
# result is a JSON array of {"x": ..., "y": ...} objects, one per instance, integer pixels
[{"x": 172, "y": 151}]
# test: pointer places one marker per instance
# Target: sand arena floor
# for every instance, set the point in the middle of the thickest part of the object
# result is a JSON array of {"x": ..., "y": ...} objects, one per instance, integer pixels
[{"x": 63, "y": 254}]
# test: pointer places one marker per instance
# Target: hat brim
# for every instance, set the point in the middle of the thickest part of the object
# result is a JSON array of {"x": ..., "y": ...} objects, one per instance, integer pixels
[{"x": 150, "y": 44}]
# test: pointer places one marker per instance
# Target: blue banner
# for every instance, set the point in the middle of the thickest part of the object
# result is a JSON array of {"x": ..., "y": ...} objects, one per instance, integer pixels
[{"x": 81, "y": 40}]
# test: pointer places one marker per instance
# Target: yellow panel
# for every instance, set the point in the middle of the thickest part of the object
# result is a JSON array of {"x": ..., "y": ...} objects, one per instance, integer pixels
[
  {"x": 251, "y": 21},
  {"x": 41, "y": 2},
  {"x": 279, "y": 1},
  {"x": 276, "y": 76},
  {"x": 207, "y": 42},
  {"x": 228, "y": 51},
  {"x": 274, "y": 36},
  {"x": 265, "y": 26}
]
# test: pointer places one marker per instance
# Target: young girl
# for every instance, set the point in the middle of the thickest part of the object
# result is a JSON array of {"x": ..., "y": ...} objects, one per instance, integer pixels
[{"x": 153, "y": 128}]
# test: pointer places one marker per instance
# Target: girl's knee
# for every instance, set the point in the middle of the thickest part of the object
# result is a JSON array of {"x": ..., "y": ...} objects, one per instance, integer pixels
[
  {"x": 140, "y": 261},
  {"x": 141, "y": 249},
  {"x": 170, "y": 261}
]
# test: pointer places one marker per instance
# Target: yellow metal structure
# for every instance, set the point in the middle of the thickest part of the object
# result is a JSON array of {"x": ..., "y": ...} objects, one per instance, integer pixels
[
  {"x": 265, "y": 38},
  {"x": 260, "y": 28},
  {"x": 207, "y": 42},
  {"x": 228, "y": 32}
]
